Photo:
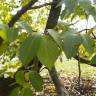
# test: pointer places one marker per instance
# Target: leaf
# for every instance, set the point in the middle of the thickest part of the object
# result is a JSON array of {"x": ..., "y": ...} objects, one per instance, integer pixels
[
  {"x": 88, "y": 43},
  {"x": 60, "y": 3},
  {"x": 48, "y": 51},
  {"x": 36, "y": 80},
  {"x": 15, "y": 92},
  {"x": 20, "y": 77},
  {"x": 26, "y": 92},
  {"x": 88, "y": 7},
  {"x": 90, "y": 10},
  {"x": 3, "y": 47},
  {"x": 3, "y": 31},
  {"x": 93, "y": 60},
  {"x": 83, "y": 2},
  {"x": 55, "y": 36},
  {"x": 1, "y": 41},
  {"x": 29, "y": 48},
  {"x": 69, "y": 8},
  {"x": 12, "y": 34},
  {"x": 71, "y": 41},
  {"x": 25, "y": 26},
  {"x": 3, "y": 35},
  {"x": 70, "y": 4},
  {"x": 79, "y": 11}
]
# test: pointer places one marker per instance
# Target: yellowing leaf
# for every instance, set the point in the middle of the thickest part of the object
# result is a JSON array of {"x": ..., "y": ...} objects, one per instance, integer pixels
[{"x": 3, "y": 34}]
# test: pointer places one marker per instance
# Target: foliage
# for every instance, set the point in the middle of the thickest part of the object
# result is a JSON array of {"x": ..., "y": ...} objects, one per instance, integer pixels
[{"x": 28, "y": 40}]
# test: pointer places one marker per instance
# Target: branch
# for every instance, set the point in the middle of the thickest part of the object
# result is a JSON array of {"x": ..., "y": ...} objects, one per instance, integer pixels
[
  {"x": 79, "y": 77},
  {"x": 84, "y": 60},
  {"x": 83, "y": 30},
  {"x": 51, "y": 23},
  {"x": 21, "y": 12},
  {"x": 43, "y": 5},
  {"x": 53, "y": 16},
  {"x": 73, "y": 23},
  {"x": 93, "y": 35}
]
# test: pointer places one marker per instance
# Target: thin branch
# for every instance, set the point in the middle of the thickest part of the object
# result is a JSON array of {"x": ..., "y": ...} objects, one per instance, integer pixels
[
  {"x": 93, "y": 35},
  {"x": 83, "y": 30},
  {"x": 84, "y": 60},
  {"x": 21, "y": 12},
  {"x": 86, "y": 26},
  {"x": 73, "y": 23},
  {"x": 51, "y": 23},
  {"x": 43, "y": 5},
  {"x": 79, "y": 70},
  {"x": 43, "y": 69},
  {"x": 53, "y": 16}
]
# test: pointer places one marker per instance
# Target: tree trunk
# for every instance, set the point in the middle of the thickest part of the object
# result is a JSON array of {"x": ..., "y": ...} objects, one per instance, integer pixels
[
  {"x": 51, "y": 23},
  {"x": 59, "y": 87}
]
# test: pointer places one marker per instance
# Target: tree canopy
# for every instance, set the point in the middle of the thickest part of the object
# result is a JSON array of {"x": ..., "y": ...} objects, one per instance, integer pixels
[{"x": 37, "y": 32}]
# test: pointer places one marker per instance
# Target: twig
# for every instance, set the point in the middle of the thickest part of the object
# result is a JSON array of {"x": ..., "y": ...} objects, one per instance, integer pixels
[
  {"x": 93, "y": 35},
  {"x": 73, "y": 23},
  {"x": 43, "y": 5},
  {"x": 86, "y": 26},
  {"x": 79, "y": 70},
  {"x": 43, "y": 69},
  {"x": 21, "y": 12},
  {"x": 84, "y": 60},
  {"x": 83, "y": 30}
]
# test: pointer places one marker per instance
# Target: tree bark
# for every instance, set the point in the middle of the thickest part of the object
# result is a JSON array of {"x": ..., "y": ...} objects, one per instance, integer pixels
[
  {"x": 51, "y": 23},
  {"x": 61, "y": 90}
]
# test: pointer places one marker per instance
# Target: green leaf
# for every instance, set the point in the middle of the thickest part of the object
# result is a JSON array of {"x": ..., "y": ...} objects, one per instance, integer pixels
[
  {"x": 70, "y": 4},
  {"x": 20, "y": 77},
  {"x": 79, "y": 11},
  {"x": 3, "y": 47},
  {"x": 12, "y": 34},
  {"x": 29, "y": 48},
  {"x": 56, "y": 36},
  {"x": 48, "y": 51},
  {"x": 90, "y": 10},
  {"x": 26, "y": 92},
  {"x": 88, "y": 43},
  {"x": 3, "y": 35},
  {"x": 83, "y": 2},
  {"x": 1, "y": 41},
  {"x": 60, "y": 3},
  {"x": 93, "y": 60},
  {"x": 36, "y": 80},
  {"x": 71, "y": 41},
  {"x": 25, "y": 26},
  {"x": 69, "y": 8},
  {"x": 15, "y": 92},
  {"x": 3, "y": 31}
]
